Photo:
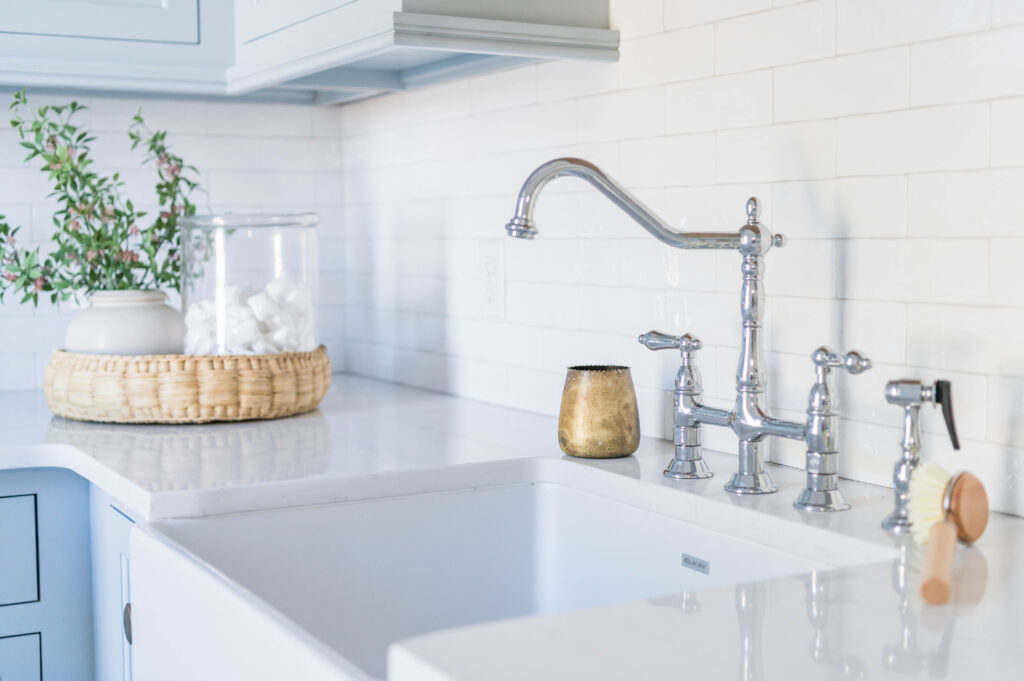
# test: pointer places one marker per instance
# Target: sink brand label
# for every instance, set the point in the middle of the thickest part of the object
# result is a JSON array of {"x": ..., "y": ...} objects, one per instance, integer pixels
[{"x": 695, "y": 563}]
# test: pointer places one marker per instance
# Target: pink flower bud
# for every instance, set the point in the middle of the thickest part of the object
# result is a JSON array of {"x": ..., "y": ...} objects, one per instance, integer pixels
[
  {"x": 38, "y": 284},
  {"x": 74, "y": 225},
  {"x": 133, "y": 229},
  {"x": 90, "y": 256},
  {"x": 10, "y": 276}
]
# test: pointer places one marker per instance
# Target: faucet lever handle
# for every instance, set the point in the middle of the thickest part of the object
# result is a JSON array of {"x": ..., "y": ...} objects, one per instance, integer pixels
[
  {"x": 656, "y": 340},
  {"x": 851, "y": 361},
  {"x": 944, "y": 397}
]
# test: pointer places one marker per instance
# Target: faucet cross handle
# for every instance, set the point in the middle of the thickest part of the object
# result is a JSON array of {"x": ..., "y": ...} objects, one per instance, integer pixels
[
  {"x": 851, "y": 361},
  {"x": 656, "y": 340}
]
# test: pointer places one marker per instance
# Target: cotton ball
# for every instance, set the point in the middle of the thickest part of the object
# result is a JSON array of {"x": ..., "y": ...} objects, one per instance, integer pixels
[
  {"x": 242, "y": 334},
  {"x": 263, "y": 306},
  {"x": 264, "y": 347},
  {"x": 279, "y": 289},
  {"x": 199, "y": 342},
  {"x": 231, "y": 295},
  {"x": 284, "y": 338}
]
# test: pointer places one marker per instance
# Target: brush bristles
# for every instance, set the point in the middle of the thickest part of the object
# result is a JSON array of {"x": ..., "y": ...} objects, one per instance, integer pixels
[{"x": 927, "y": 487}]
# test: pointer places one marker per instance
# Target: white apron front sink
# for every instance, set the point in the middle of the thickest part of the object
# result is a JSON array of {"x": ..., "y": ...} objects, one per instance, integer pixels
[{"x": 451, "y": 548}]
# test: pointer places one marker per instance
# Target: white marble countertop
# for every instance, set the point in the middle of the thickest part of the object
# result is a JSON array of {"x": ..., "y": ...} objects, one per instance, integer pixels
[
  {"x": 362, "y": 428},
  {"x": 860, "y": 622}
]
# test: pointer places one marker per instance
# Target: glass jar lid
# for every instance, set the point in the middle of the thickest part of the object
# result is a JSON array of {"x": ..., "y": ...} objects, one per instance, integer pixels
[{"x": 250, "y": 220}]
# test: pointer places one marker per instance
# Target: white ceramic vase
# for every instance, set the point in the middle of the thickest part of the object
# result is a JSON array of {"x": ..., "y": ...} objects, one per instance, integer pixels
[{"x": 130, "y": 322}]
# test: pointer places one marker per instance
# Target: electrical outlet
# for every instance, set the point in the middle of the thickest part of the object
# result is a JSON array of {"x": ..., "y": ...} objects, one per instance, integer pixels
[{"x": 492, "y": 275}]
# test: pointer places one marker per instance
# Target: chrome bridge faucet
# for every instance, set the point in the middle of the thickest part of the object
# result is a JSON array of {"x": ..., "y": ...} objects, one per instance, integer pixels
[{"x": 748, "y": 417}]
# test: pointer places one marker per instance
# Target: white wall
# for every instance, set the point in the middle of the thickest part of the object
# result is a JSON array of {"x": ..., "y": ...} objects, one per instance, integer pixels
[
  {"x": 253, "y": 157},
  {"x": 882, "y": 136}
]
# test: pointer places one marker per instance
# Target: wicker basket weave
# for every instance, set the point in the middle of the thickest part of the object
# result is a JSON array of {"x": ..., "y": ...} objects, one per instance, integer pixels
[{"x": 185, "y": 388}]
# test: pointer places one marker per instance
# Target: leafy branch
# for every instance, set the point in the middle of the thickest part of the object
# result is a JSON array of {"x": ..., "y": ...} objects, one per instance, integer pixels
[{"x": 97, "y": 241}]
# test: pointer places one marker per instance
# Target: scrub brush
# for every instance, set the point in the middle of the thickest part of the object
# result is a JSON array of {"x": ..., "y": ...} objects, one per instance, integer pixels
[{"x": 944, "y": 507}]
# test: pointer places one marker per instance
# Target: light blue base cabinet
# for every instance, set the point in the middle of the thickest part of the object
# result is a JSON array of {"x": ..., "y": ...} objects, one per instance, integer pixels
[{"x": 63, "y": 579}]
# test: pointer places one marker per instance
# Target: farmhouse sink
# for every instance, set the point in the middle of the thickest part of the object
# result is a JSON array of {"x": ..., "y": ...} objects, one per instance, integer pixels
[{"x": 460, "y": 546}]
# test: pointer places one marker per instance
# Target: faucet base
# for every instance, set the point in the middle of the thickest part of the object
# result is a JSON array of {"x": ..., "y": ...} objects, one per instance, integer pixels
[
  {"x": 897, "y": 523},
  {"x": 821, "y": 500},
  {"x": 688, "y": 469},
  {"x": 751, "y": 483}
]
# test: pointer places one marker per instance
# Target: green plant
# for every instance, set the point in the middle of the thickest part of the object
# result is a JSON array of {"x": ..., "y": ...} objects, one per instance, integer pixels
[{"x": 98, "y": 242}]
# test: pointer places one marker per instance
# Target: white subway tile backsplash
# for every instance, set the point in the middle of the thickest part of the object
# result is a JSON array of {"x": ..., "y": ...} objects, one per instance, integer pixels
[
  {"x": 620, "y": 310},
  {"x": 877, "y": 329},
  {"x": 797, "y": 151},
  {"x": 621, "y": 115},
  {"x": 17, "y": 371},
  {"x": 569, "y": 79},
  {"x": 550, "y": 305},
  {"x": 841, "y": 86},
  {"x": 260, "y": 188},
  {"x": 983, "y": 340},
  {"x": 680, "y": 13},
  {"x": 780, "y": 36},
  {"x": 939, "y": 138},
  {"x": 20, "y": 184},
  {"x": 712, "y": 317},
  {"x": 1006, "y": 284},
  {"x": 1008, "y": 133},
  {"x": 632, "y": 18},
  {"x": 969, "y": 204},
  {"x": 676, "y": 160},
  {"x": 967, "y": 68},
  {"x": 1006, "y": 404},
  {"x": 855, "y": 207},
  {"x": 920, "y": 270},
  {"x": 1005, "y": 12},
  {"x": 715, "y": 208},
  {"x": 667, "y": 57},
  {"x": 803, "y": 268},
  {"x": 739, "y": 101},
  {"x": 868, "y": 24}
]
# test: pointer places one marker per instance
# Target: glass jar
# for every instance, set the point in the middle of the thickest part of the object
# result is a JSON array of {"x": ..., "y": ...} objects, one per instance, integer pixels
[{"x": 249, "y": 283}]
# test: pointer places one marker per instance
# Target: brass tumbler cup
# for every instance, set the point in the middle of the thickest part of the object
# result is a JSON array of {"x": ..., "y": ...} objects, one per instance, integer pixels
[{"x": 599, "y": 417}]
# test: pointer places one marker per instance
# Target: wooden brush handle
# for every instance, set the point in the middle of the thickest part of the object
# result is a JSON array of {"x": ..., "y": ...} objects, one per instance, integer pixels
[{"x": 938, "y": 565}]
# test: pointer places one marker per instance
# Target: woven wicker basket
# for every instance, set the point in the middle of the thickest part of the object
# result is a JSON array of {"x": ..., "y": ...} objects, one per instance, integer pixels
[{"x": 185, "y": 388}]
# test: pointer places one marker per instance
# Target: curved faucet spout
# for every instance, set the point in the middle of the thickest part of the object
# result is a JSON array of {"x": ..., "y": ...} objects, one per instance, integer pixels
[{"x": 522, "y": 226}]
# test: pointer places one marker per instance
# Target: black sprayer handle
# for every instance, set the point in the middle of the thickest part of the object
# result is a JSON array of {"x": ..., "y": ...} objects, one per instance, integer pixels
[{"x": 944, "y": 396}]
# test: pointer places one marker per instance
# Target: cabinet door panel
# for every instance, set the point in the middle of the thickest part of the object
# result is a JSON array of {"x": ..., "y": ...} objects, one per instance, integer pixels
[
  {"x": 110, "y": 589},
  {"x": 19, "y": 577},
  {"x": 20, "y": 657},
  {"x": 175, "y": 21}
]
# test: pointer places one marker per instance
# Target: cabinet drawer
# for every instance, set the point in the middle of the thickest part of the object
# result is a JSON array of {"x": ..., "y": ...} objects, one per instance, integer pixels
[
  {"x": 165, "y": 21},
  {"x": 21, "y": 658},
  {"x": 19, "y": 568}
]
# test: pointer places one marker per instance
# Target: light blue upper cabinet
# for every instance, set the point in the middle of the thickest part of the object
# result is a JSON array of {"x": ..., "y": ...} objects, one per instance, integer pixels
[
  {"x": 161, "y": 46},
  {"x": 315, "y": 51},
  {"x": 173, "y": 21}
]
